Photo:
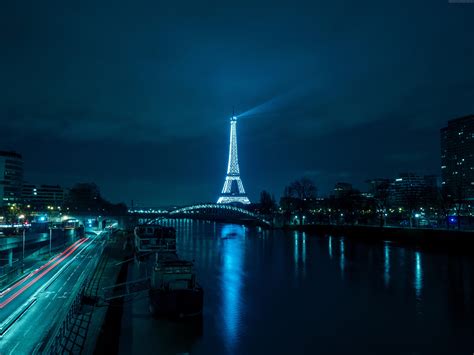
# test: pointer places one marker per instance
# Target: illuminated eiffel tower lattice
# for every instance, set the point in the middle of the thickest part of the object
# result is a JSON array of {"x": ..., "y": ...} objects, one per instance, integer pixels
[{"x": 233, "y": 190}]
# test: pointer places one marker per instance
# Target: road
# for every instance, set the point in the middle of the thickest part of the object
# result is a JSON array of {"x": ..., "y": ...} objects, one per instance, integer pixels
[{"x": 28, "y": 308}]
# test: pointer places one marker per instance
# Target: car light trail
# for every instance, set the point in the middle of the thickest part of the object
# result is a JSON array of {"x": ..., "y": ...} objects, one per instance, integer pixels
[
  {"x": 24, "y": 288},
  {"x": 8, "y": 290}
]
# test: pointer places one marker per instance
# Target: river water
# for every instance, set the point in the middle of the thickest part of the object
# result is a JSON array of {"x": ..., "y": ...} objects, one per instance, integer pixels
[{"x": 270, "y": 292}]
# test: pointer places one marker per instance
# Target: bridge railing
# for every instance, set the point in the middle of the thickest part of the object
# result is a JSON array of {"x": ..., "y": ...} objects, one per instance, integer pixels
[{"x": 197, "y": 208}]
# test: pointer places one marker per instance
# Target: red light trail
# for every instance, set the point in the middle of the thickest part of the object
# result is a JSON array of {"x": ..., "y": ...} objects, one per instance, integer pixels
[{"x": 58, "y": 259}]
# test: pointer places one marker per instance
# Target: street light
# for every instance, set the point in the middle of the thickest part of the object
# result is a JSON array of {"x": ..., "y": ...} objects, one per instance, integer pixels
[
  {"x": 50, "y": 237},
  {"x": 23, "y": 254}
]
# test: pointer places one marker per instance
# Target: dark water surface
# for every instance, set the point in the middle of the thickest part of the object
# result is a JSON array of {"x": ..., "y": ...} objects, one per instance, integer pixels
[{"x": 270, "y": 292}]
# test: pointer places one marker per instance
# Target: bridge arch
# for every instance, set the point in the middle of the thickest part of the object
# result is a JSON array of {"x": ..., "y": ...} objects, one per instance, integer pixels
[{"x": 218, "y": 212}]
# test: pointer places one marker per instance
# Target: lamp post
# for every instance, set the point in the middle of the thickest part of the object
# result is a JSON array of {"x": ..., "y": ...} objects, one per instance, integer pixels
[
  {"x": 23, "y": 254},
  {"x": 50, "y": 237}
]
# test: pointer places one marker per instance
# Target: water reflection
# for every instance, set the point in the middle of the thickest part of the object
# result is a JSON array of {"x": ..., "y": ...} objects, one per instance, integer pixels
[
  {"x": 386, "y": 263},
  {"x": 248, "y": 308},
  {"x": 303, "y": 251},
  {"x": 232, "y": 250},
  {"x": 342, "y": 256},
  {"x": 418, "y": 283},
  {"x": 296, "y": 251},
  {"x": 330, "y": 247},
  {"x": 303, "y": 254}
]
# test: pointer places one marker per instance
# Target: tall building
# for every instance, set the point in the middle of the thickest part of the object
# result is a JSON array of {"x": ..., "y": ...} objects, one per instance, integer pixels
[
  {"x": 457, "y": 157},
  {"x": 11, "y": 178},
  {"x": 411, "y": 190},
  {"x": 233, "y": 190}
]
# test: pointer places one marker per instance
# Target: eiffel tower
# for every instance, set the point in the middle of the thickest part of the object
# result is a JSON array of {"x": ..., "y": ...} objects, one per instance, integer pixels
[{"x": 233, "y": 190}]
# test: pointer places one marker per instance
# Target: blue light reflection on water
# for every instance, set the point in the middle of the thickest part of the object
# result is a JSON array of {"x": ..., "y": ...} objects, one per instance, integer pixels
[
  {"x": 232, "y": 249},
  {"x": 303, "y": 251},
  {"x": 386, "y": 264},
  {"x": 330, "y": 246},
  {"x": 342, "y": 256},
  {"x": 296, "y": 247},
  {"x": 296, "y": 256},
  {"x": 418, "y": 282},
  {"x": 256, "y": 303}
]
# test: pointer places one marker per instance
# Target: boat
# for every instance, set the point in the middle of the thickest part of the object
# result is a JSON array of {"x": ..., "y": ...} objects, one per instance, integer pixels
[
  {"x": 174, "y": 291},
  {"x": 154, "y": 238}
]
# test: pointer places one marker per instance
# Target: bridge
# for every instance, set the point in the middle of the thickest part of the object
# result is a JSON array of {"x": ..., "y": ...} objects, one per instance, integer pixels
[
  {"x": 207, "y": 211},
  {"x": 225, "y": 209}
]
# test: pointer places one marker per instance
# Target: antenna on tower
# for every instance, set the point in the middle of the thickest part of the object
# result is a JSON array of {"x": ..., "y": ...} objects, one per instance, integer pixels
[{"x": 233, "y": 113}]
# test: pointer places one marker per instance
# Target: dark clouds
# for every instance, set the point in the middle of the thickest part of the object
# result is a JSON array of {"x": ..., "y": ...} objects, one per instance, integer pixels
[{"x": 135, "y": 95}]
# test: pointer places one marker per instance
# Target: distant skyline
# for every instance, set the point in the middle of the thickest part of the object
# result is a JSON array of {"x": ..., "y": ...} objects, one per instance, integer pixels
[{"x": 136, "y": 96}]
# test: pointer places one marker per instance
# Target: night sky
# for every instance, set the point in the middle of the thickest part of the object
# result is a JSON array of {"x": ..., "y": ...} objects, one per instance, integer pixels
[{"x": 136, "y": 95}]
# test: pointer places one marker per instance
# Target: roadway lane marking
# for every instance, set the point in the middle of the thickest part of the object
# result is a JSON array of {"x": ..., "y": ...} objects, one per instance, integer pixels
[
  {"x": 64, "y": 295},
  {"x": 16, "y": 315},
  {"x": 33, "y": 299},
  {"x": 9, "y": 289},
  {"x": 48, "y": 283},
  {"x": 12, "y": 351},
  {"x": 24, "y": 288}
]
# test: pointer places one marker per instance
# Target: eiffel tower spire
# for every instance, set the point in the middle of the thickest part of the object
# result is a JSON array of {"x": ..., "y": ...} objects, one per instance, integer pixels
[{"x": 233, "y": 190}]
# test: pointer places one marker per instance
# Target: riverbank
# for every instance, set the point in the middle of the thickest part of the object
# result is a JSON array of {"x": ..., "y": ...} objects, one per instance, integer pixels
[
  {"x": 442, "y": 239},
  {"x": 109, "y": 315}
]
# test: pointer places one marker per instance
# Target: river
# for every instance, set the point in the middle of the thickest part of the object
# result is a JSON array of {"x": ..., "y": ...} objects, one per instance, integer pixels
[{"x": 270, "y": 292}]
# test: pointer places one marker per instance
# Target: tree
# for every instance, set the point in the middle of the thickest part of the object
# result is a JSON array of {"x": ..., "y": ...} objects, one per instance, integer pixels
[
  {"x": 348, "y": 205},
  {"x": 298, "y": 197},
  {"x": 287, "y": 204},
  {"x": 85, "y": 198},
  {"x": 444, "y": 204},
  {"x": 381, "y": 199},
  {"x": 459, "y": 197},
  {"x": 303, "y": 189},
  {"x": 267, "y": 203},
  {"x": 412, "y": 200}
]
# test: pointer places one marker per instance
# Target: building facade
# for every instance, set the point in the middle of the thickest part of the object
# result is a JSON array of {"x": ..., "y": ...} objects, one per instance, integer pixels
[
  {"x": 43, "y": 196},
  {"x": 379, "y": 187},
  {"x": 457, "y": 158},
  {"x": 412, "y": 191},
  {"x": 11, "y": 178}
]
